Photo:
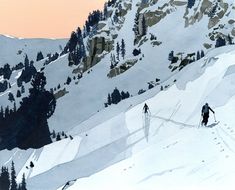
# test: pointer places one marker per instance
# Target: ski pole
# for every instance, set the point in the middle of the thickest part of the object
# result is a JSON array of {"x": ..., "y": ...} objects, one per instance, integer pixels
[
  {"x": 214, "y": 117},
  {"x": 200, "y": 121},
  {"x": 149, "y": 113}
]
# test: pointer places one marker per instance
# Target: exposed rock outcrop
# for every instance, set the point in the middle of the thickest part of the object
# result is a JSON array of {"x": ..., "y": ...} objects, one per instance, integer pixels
[
  {"x": 122, "y": 68},
  {"x": 207, "y": 46},
  {"x": 179, "y": 3},
  {"x": 60, "y": 93},
  {"x": 98, "y": 47},
  {"x": 207, "y": 8},
  {"x": 233, "y": 32}
]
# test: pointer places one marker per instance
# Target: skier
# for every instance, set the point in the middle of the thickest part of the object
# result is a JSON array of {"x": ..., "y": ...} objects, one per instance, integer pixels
[
  {"x": 205, "y": 113},
  {"x": 146, "y": 109},
  {"x": 146, "y": 116}
]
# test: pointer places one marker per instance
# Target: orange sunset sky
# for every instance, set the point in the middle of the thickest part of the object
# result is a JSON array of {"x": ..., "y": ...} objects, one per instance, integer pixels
[{"x": 44, "y": 18}]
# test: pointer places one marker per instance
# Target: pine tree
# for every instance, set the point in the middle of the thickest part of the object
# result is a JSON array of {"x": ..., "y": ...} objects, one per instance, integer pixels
[
  {"x": 116, "y": 96},
  {"x": 11, "y": 97},
  {"x": 38, "y": 87},
  {"x": 1, "y": 113},
  {"x": 118, "y": 51},
  {"x": 136, "y": 52},
  {"x": 38, "y": 83},
  {"x": 105, "y": 11},
  {"x": 150, "y": 86},
  {"x": 6, "y": 71},
  {"x": 109, "y": 99},
  {"x": 14, "y": 107},
  {"x": 220, "y": 42},
  {"x": 111, "y": 66},
  {"x": 39, "y": 56},
  {"x": 191, "y": 3},
  {"x": 171, "y": 56},
  {"x": 4, "y": 179},
  {"x": 26, "y": 61},
  {"x": 72, "y": 41},
  {"x": 53, "y": 134},
  {"x": 7, "y": 112},
  {"x": 81, "y": 49},
  {"x": 113, "y": 61},
  {"x": 11, "y": 112},
  {"x": 123, "y": 49},
  {"x": 230, "y": 41},
  {"x": 127, "y": 95},
  {"x": 198, "y": 55},
  {"x": 136, "y": 25},
  {"x": 123, "y": 95},
  {"x": 202, "y": 54},
  {"x": 144, "y": 26},
  {"x": 18, "y": 94},
  {"x": 13, "y": 177},
  {"x": 58, "y": 138},
  {"x": 68, "y": 80},
  {"x": 22, "y": 89},
  {"x": 23, "y": 183}
]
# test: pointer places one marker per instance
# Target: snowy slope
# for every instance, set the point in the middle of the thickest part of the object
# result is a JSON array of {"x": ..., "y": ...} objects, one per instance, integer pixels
[
  {"x": 172, "y": 152},
  {"x": 172, "y": 147},
  {"x": 177, "y": 149},
  {"x": 13, "y": 50},
  {"x": 92, "y": 90}
]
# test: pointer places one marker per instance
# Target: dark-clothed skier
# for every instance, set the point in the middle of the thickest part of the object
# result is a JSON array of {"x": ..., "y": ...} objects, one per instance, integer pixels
[
  {"x": 205, "y": 113},
  {"x": 146, "y": 108}
]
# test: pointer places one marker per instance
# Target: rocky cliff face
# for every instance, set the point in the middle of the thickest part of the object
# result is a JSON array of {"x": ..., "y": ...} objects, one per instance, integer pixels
[
  {"x": 122, "y": 68},
  {"x": 215, "y": 10},
  {"x": 218, "y": 15},
  {"x": 103, "y": 42},
  {"x": 98, "y": 48}
]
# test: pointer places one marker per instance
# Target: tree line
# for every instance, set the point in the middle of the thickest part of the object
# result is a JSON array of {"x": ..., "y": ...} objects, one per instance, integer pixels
[
  {"x": 116, "y": 96},
  {"x": 120, "y": 51},
  {"x": 8, "y": 179},
  {"x": 27, "y": 127}
]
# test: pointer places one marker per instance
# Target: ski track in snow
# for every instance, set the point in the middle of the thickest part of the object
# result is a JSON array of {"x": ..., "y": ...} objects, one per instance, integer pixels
[{"x": 161, "y": 173}]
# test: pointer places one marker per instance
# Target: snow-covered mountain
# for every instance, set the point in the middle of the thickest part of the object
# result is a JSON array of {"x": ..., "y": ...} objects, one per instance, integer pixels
[
  {"x": 174, "y": 61},
  {"x": 13, "y": 50}
]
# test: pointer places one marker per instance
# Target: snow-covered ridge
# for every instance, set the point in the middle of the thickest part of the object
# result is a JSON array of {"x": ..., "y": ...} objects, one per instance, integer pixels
[{"x": 13, "y": 50}]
